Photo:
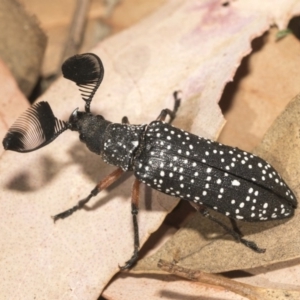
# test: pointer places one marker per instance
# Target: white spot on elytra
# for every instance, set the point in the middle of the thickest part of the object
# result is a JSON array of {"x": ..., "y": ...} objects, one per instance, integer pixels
[
  {"x": 135, "y": 143},
  {"x": 235, "y": 182}
]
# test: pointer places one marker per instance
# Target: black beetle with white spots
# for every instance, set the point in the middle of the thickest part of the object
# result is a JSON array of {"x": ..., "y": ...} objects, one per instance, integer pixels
[{"x": 210, "y": 175}]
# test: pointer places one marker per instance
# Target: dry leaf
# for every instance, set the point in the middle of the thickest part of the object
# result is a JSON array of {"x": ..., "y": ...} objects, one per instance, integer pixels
[
  {"x": 55, "y": 18},
  {"x": 22, "y": 44},
  {"x": 164, "y": 286},
  {"x": 128, "y": 12},
  {"x": 245, "y": 290},
  {"x": 285, "y": 87},
  {"x": 104, "y": 18},
  {"x": 265, "y": 82},
  {"x": 75, "y": 258}
]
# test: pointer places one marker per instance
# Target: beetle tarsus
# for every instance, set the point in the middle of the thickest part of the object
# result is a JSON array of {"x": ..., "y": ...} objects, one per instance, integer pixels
[
  {"x": 252, "y": 246},
  {"x": 134, "y": 212},
  {"x": 129, "y": 263},
  {"x": 70, "y": 211}
]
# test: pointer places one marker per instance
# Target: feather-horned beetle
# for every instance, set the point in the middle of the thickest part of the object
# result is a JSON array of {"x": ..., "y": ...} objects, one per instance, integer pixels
[{"x": 233, "y": 182}]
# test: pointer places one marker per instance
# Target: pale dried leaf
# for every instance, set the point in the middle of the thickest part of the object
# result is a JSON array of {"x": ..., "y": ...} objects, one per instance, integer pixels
[
  {"x": 164, "y": 286},
  {"x": 76, "y": 257},
  {"x": 278, "y": 12},
  {"x": 282, "y": 275}
]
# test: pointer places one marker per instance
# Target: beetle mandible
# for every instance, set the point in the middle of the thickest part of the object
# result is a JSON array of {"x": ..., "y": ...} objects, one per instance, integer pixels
[{"x": 210, "y": 175}]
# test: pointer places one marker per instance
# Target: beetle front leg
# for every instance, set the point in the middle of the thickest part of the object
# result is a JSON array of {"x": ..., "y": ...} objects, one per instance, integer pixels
[
  {"x": 134, "y": 212},
  {"x": 103, "y": 184},
  {"x": 172, "y": 113}
]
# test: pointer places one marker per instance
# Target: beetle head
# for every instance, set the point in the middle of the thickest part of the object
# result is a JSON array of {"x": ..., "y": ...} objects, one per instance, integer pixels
[
  {"x": 38, "y": 126},
  {"x": 90, "y": 127}
]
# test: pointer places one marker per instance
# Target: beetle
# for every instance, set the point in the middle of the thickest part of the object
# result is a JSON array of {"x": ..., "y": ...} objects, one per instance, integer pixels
[{"x": 233, "y": 182}]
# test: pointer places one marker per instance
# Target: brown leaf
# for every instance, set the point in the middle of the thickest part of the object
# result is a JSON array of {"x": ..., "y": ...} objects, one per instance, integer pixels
[
  {"x": 22, "y": 44},
  {"x": 263, "y": 86},
  {"x": 104, "y": 18}
]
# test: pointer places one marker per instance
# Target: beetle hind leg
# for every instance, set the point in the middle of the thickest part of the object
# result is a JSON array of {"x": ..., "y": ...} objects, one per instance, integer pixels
[
  {"x": 134, "y": 212},
  {"x": 234, "y": 232}
]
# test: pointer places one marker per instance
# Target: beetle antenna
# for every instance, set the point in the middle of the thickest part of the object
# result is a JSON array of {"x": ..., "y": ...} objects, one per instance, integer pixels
[
  {"x": 34, "y": 129},
  {"x": 87, "y": 71}
]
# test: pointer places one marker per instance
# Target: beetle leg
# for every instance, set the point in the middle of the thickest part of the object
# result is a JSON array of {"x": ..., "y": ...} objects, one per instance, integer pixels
[
  {"x": 172, "y": 113},
  {"x": 235, "y": 234},
  {"x": 235, "y": 227},
  {"x": 134, "y": 212},
  {"x": 103, "y": 184}
]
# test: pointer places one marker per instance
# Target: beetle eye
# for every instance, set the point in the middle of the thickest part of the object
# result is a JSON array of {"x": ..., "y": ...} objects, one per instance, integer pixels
[
  {"x": 81, "y": 137},
  {"x": 74, "y": 116}
]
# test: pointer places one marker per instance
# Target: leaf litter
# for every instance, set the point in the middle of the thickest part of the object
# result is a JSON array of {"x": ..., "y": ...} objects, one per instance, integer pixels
[{"x": 77, "y": 257}]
